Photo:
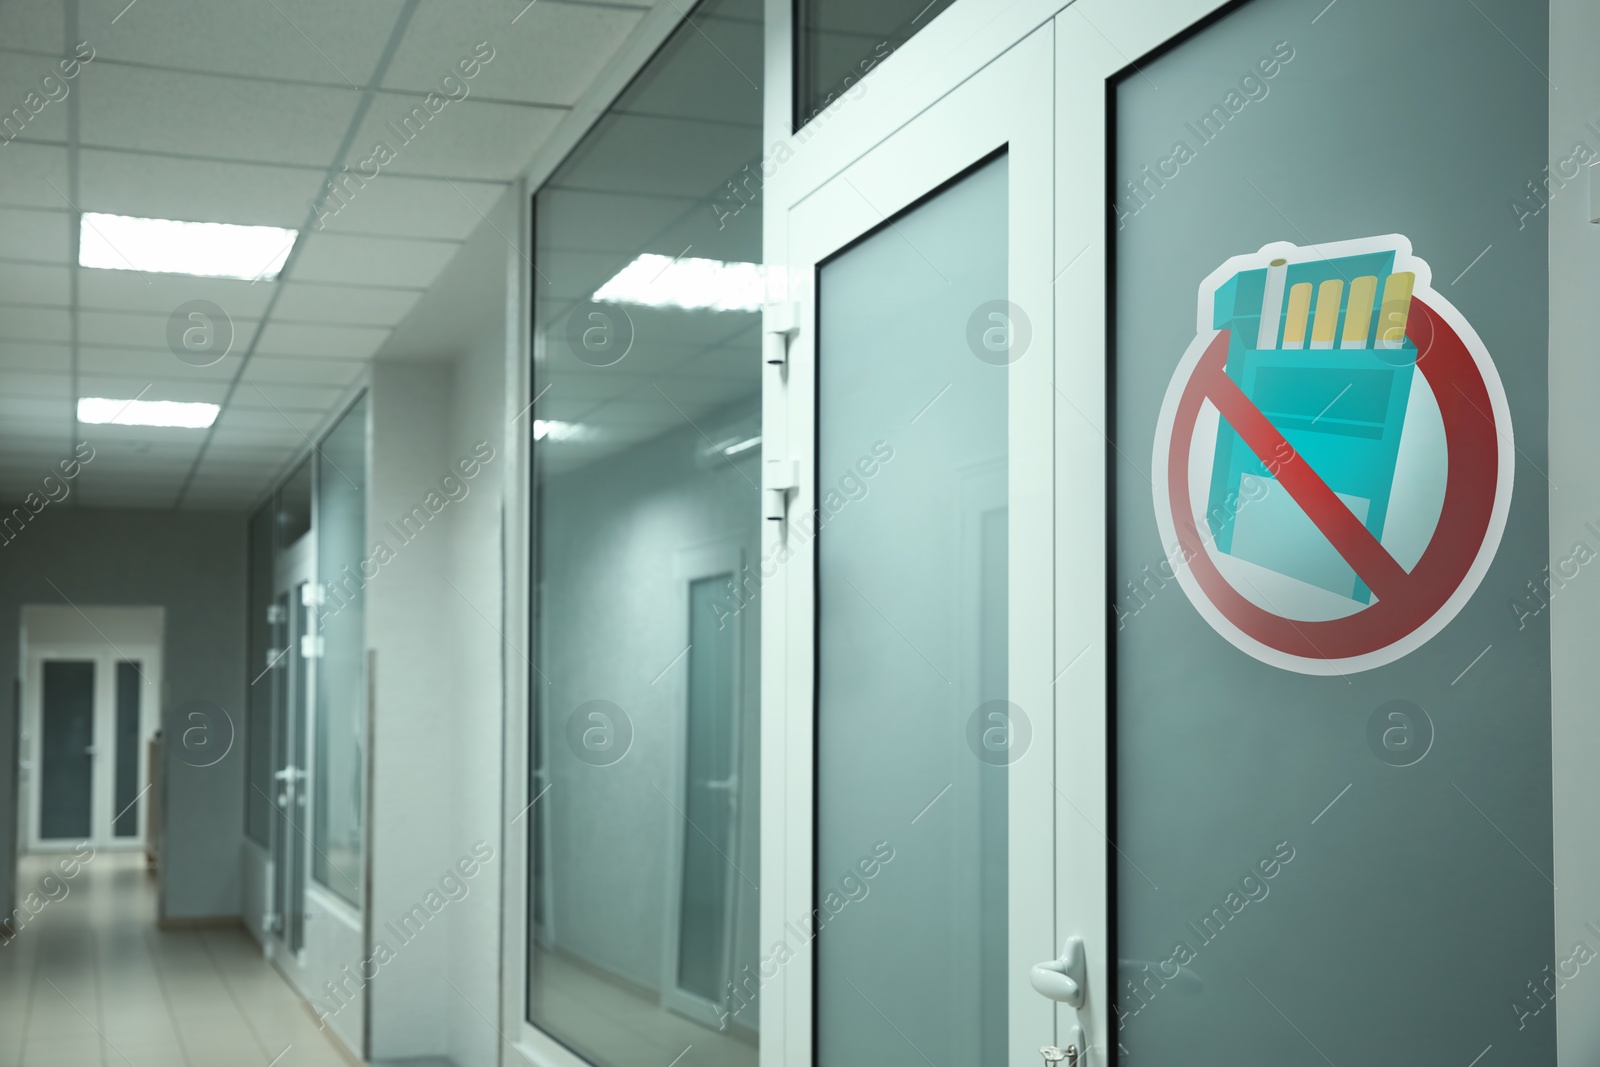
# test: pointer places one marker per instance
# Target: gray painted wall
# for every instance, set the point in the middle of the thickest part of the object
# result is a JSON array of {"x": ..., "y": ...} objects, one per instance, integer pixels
[{"x": 192, "y": 564}]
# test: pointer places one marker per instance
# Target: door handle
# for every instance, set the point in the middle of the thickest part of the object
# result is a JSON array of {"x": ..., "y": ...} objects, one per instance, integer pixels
[{"x": 1062, "y": 980}]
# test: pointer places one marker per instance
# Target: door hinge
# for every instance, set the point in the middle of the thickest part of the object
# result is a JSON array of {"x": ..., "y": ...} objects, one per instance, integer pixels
[
  {"x": 779, "y": 477},
  {"x": 310, "y": 646},
  {"x": 313, "y": 595},
  {"x": 276, "y": 614},
  {"x": 779, "y": 323}
]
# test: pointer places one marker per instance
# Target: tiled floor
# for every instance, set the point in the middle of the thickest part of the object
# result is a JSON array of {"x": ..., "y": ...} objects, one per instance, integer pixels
[{"x": 91, "y": 982}]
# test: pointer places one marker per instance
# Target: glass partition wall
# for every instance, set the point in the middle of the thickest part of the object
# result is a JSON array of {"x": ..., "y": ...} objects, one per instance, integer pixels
[
  {"x": 647, "y": 451},
  {"x": 306, "y": 731},
  {"x": 341, "y": 720}
]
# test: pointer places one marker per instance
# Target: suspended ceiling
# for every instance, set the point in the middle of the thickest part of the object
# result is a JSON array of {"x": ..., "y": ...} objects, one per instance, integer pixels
[{"x": 241, "y": 112}]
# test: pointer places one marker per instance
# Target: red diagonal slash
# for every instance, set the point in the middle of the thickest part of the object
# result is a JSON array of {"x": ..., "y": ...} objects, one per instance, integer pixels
[
  {"x": 1406, "y": 601},
  {"x": 1348, "y": 534}
]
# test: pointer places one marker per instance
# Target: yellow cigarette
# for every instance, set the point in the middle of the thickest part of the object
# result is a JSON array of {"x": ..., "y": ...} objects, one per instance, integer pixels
[
  {"x": 1396, "y": 309},
  {"x": 1294, "y": 323},
  {"x": 1359, "y": 315},
  {"x": 1322, "y": 327}
]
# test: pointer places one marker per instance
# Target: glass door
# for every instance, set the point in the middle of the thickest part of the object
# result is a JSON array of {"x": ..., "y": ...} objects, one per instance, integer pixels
[
  {"x": 92, "y": 709},
  {"x": 914, "y": 596},
  {"x": 1324, "y": 771},
  {"x": 67, "y": 750},
  {"x": 292, "y": 682}
]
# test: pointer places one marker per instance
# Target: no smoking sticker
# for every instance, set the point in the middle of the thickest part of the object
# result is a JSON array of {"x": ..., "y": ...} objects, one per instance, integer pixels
[{"x": 1333, "y": 460}]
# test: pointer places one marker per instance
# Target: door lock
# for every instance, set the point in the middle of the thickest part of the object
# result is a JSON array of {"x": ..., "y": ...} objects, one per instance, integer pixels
[{"x": 1074, "y": 1055}]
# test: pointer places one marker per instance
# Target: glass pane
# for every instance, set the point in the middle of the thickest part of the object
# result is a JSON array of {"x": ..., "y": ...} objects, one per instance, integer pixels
[
  {"x": 911, "y": 641},
  {"x": 340, "y": 670},
  {"x": 838, "y": 41},
  {"x": 294, "y": 505},
  {"x": 66, "y": 734},
  {"x": 1390, "y": 822},
  {"x": 258, "y": 728},
  {"x": 647, "y": 456},
  {"x": 125, "y": 807},
  {"x": 710, "y": 788}
]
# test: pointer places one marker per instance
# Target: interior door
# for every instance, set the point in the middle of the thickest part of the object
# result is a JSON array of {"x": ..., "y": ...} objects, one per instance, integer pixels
[
  {"x": 290, "y": 703},
  {"x": 92, "y": 708},
  {"x": 915, "y": 724},
  {"x": 1324, "y": 771},
  {"x": 68, "y": 710}
]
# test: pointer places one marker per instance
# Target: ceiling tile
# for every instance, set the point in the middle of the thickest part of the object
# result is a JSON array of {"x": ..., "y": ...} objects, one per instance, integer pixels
[
  {"x": 272, "y": 396},
  {"x": 246, "y": 419},
  {"x": 371, "y": 260},
  {"x": 32, "y": 174},
  {"x": 130, "y": 330},
  {"x": 549, "y": 56},
  {"x": 35, "y": 236},
  {"x": 466, "y": 139},
  {"x": 152, "y": 366},
  {"x": 31, "y": 356},
  {"x": 26, "y": 92},
  {"x": 398, "y": 206},
  {"x": 33, "y": 283},
  {"x": 207, "y": 115},
  {"x": 355, "y": 304},
  {"x": 25, "y": 384},
  {"x": 297, "y": 40},
  {"x": 35, "y": 25},
  {"x": 17, "y": 410},
  {"x": 267, "y": 368},
  {"x": 35, "y": 324},
  {"x": 281, "y": 437},
  {"x": 126, "y": 290},
  {"x": 346, "y": 342},
  {"x": 162, "y": 187},
  {"x": 118, "y": 386}
]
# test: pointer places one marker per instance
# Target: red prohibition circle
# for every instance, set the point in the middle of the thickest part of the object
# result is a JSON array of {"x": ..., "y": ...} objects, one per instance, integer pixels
[{"x": 1405, "y": 600}]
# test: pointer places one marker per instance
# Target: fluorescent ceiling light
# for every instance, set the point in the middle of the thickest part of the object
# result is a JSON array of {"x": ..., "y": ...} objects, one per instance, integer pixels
[
  {"x": 166, "y": 246},
  {"x": 553, "y": 430},
  {"x": 694, "y": 284},
  {"x": 99, "y": 410}
]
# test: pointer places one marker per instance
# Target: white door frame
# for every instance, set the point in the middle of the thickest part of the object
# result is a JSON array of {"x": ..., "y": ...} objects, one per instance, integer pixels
[
  {"x": 103, "y": 772},
  {"x": 1006, "y": 105}
]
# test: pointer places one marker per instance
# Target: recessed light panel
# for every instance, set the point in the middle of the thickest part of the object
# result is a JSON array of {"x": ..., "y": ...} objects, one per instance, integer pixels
[
  {"x": 694, "y": 284},
  {"x": 167, "y": 246},
  {"x": 103, "y": 410}
]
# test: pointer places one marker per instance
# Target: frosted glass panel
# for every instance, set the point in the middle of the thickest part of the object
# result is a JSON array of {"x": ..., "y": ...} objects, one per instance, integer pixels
[
  {"x": 340, "y": 670},
  {"x": 67, "y": 732},
  {"x": 913, "y": 732},
  {"x": 125, "y": 813},
  {"x": 1352, "y": 867}
]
